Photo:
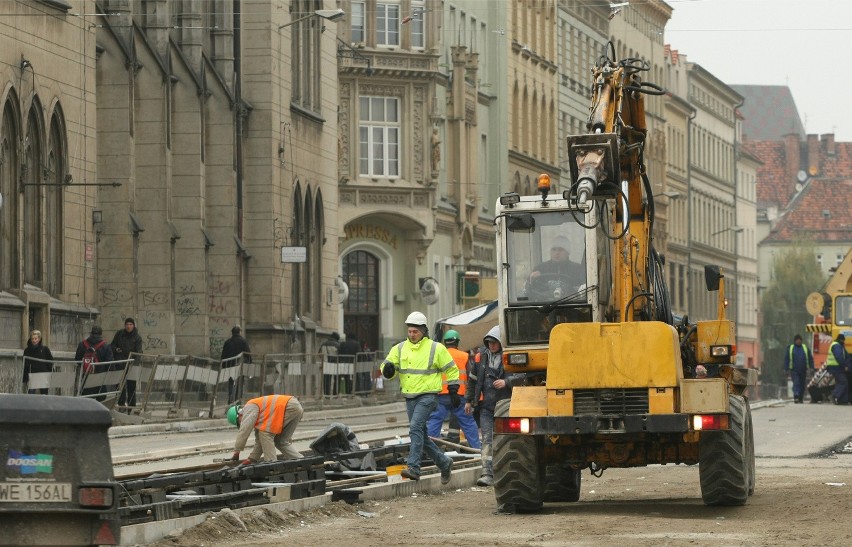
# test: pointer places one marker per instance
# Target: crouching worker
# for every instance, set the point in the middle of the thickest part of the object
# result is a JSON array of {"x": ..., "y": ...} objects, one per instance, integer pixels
[{"x": 274, "y": 419}]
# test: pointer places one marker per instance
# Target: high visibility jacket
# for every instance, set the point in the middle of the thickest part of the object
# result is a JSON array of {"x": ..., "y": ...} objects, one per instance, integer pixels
[
  {"x": 271, "y": 415},
  {"x": 791, "y": 359},
  {"x": 420, "y": 366},
  {"x": 832, "y": 360},
  {"x": 460, "y": 357}
]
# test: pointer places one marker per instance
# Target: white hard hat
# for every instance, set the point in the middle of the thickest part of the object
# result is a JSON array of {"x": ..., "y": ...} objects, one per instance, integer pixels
[{"x": 416, "y": 318}]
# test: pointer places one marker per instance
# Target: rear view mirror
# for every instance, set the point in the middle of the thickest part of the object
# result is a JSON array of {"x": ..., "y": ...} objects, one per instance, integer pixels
[
  {"x": 712, "y": 275},
  {"x": 523, "y": 222}
]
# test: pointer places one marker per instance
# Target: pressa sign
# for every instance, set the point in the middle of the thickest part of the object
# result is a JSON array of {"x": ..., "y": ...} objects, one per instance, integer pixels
[{"x": 23, "y": 464}]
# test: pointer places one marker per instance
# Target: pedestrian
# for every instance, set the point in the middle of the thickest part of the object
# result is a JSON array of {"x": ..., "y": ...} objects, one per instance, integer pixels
[
  {"x": 274, "y": 419},
  {"x": 493, "y": 385},
  {"x": 37, "y": 358},
  {"x": 420, "y": 364},
  {"x": 94, "y": 349},
  {"x": 125, "y": 342},
  {"x": 347, "y": 353},
  {"x": 450, "y": 403},
  {"x": 798, "y": 359},
  {"x": 328, "y": 350},
  {"x": 231, "y": 349},
  {"x": 836, "y": 364}
]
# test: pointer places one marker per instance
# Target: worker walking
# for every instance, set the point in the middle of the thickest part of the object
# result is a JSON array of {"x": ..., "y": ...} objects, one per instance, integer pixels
[
  {"x": 836, "y": 364},
  {"x": 274, "y": 419},
  {"x": 797, "y": 360},
  {"x": 494, "y": 385},
  {"x": 420, "y": 364},
  {"x": 449, "y": 403}
]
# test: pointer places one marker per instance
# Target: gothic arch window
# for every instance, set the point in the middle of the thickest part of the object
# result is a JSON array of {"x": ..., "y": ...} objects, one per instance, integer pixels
[
  {"x": 54, "y": 204},
  {"x": 33, "y": 176},
  {"x": 516, "y": 184},
  {"x": 310, "y": 266},
  {"x": 296, "y": 239},
  {"x": 316, "y": 249},
  {"x": 9, "y": 161}
]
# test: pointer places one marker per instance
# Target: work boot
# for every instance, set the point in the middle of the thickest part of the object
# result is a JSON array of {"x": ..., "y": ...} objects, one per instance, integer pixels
[
  {"x": 485, "y": 480},
  {"x": 410, "y": 474},
  {"x": 445, "y": 473}
]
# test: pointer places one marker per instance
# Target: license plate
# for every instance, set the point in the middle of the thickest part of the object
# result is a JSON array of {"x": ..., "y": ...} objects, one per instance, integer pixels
[{"x": 29, "y": 492}]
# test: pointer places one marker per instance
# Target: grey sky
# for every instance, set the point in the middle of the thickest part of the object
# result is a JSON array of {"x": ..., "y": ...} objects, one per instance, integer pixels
[{"x": 804, "y": 44}]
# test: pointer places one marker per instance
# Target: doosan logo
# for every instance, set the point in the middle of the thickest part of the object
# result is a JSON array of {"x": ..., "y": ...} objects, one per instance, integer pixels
[{"x": 29, "y": 464}]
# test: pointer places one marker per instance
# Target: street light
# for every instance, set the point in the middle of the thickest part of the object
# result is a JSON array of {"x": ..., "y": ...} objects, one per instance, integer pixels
[
  {"x": 735, "y": 229},
  {"x": 328, "y": 14}
]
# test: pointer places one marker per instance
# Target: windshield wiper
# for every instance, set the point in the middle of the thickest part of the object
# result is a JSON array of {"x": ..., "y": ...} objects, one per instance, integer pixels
[{"x": 547, "y": 308}]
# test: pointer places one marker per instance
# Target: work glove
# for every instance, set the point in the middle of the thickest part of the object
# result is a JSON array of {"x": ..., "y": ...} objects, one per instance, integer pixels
[
  {"x": 388, "y": 370},
  {"x": 455, "y": 400},
  {"x": 235, "y": 457}
]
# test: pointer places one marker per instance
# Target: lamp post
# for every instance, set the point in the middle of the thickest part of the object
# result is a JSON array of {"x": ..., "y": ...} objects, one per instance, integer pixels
[{"x": 328, "y": 14}]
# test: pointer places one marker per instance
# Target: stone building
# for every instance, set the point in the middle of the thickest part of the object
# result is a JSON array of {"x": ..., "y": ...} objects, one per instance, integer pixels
[{"x": 47, "y": 173}]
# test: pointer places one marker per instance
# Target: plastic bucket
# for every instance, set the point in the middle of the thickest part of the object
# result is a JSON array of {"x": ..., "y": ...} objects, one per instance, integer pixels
[{"x": 393, "y": 472}]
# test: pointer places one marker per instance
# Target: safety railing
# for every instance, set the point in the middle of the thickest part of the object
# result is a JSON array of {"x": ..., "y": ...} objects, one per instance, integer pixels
[{"x": 190, "y": 386}]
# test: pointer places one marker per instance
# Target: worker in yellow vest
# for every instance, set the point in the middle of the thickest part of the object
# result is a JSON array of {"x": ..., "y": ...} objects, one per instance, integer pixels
[
  {"x": 447, "y": 403},
  {"x": 836, "y": 364},
  {"x": 421, "y": 364},
  {"x": 274, "y": 419}
]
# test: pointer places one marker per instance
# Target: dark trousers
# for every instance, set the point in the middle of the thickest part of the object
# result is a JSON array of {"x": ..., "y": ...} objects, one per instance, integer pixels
[
  {"x": 128, "y": 394},
  {"x": 799, "y": 383},
  {"x": 841, "y": 386}
]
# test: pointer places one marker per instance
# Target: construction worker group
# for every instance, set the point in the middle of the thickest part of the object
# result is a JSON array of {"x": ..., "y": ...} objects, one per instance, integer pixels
[{"x": 436, "y": 379}]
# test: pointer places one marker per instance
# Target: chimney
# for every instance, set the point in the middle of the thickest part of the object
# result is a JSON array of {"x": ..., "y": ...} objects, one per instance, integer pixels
[
  {"x": 828, "y": 140},
  {"x": 793, "y": 152},
  {"x": 813, "y": 155}
]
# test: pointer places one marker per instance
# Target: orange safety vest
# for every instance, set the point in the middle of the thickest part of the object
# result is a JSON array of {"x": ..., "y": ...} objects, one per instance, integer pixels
[
  {"x": 271, "y": 415},
  {"x": 460, "y": 357}
]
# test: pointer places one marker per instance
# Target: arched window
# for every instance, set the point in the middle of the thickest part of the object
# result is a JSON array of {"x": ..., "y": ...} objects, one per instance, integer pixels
[
  {"x": 9, "y": 257},
  {"x": 296, "y": 239},
  {"x": 54, "y": 204},
  {"x": 316, "y": 250},
  {"x": 309, "y": 304},
  {"x": 33, "y": 177}
]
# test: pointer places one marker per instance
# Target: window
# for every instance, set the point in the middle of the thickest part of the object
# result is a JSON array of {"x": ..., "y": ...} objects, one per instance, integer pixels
[
  {"x": 387, "y": 24},
  {"x": 53, "y": 207},
  {"x": 379, "y": 136},
  {"x": 9, "y": 255},
  {"x": 357, "y": 19},
  {"x": 33, "y": 233},
  {"x": 306, "y": 57},
  {"x": 418, "y": 16}
]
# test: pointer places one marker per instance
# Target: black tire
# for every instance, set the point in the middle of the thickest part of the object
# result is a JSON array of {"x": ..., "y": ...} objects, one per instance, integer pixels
[
  {"x": 723, "y": 466},
  {"x": 517, "y": 470},
  {"x": 752, "y": 476},
  {"x": 561, "y": 483}
]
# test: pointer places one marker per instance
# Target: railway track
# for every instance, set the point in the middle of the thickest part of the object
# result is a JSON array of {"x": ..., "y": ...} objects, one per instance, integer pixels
[{"x": 179, "y": 486}]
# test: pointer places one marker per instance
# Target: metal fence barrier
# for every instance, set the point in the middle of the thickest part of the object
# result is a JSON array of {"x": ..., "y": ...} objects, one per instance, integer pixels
[{"x": 190, "y": 386}]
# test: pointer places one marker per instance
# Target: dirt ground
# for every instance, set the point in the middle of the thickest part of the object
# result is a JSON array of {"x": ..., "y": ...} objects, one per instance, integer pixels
[{"x": 802, "y": 501}]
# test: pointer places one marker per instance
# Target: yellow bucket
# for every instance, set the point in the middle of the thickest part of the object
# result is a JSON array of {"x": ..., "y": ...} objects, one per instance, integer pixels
[{"x": 393, "y": 472}]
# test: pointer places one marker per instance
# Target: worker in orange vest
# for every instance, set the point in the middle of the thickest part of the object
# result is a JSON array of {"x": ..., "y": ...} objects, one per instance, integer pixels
[
  {"x": 274, "y": 419},
  {"x": 451, "y": 402}
]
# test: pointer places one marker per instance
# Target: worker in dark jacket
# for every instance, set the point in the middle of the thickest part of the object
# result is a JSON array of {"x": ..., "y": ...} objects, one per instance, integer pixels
[
  {"x": 103, "y": 351},
  {"x": 233, "y": 347},
  {"x": 836, "y": 364},
  {"x": 125, "y": 342},
  {"x": 37, "y": 358},
  {"x": 798, "y": 359}
]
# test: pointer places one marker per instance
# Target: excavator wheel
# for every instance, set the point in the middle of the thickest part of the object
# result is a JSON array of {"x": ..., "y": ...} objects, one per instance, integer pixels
[
  {"x": 517, "y": 472},
  {"x": 561, "y": 483},
  {"x": 725, "y": 458},
  {"x": 750, "y": 440}
]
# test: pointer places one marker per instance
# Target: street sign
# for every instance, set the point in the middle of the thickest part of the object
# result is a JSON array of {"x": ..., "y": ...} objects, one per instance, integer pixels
[{"x": 294, "y": 254}]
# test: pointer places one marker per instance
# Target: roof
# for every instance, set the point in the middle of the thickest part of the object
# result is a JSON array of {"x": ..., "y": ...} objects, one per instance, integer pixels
[
  {"x": 773, "y": 184},
  {"x": 769, "y": 111},
  {"x": 820, "y": 212}
]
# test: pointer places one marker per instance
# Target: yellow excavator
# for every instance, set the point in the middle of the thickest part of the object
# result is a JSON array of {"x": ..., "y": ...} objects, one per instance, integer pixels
[
  {"x": 603, "y": 374},
  {"x": 831, "y": 307}
]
